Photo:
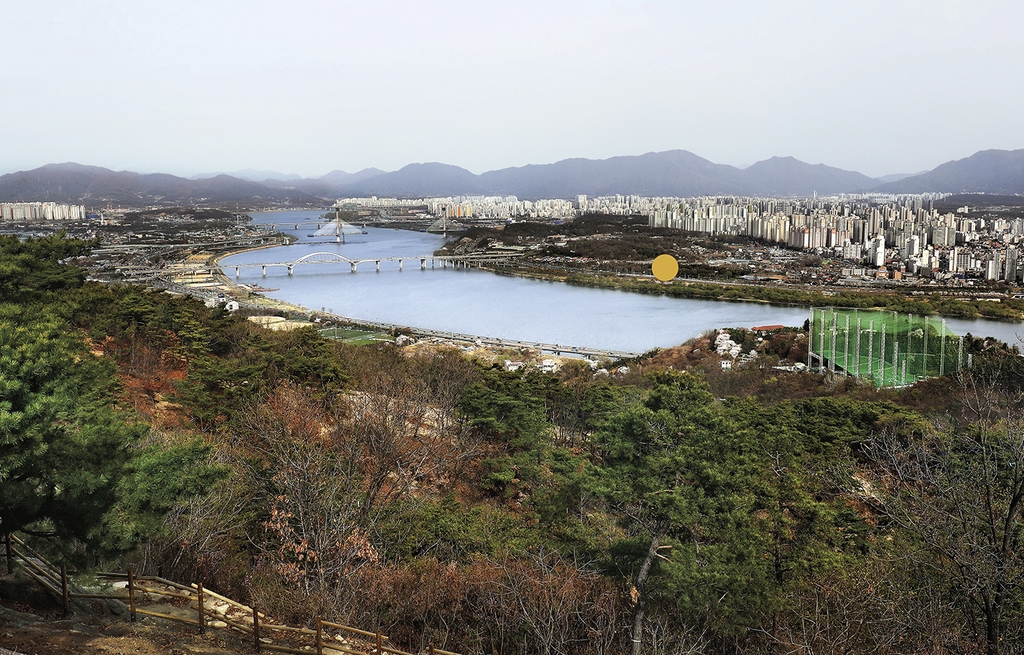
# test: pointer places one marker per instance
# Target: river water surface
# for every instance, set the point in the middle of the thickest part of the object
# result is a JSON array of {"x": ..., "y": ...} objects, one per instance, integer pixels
[{"x": 477, "y": 302}]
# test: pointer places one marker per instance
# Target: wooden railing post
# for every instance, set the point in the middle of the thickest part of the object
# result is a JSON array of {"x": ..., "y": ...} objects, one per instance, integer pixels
[
  {"x": 380, "y": 646},
  {"x": 319, "y": 636},
  {"x": 64, "y": 589},
  {"x": 256, "y": 627},
  {"x": 131, "y": 595},
  {"x": 202, "y": 608},
  {"x": 10, "y": 554}
]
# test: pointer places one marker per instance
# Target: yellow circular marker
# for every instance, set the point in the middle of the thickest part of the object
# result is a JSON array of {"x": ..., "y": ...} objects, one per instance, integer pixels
[{"x": 665, "y": 267}]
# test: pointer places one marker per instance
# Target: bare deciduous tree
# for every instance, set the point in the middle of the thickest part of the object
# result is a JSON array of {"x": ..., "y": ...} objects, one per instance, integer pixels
[{"x": 958, "y": 488}]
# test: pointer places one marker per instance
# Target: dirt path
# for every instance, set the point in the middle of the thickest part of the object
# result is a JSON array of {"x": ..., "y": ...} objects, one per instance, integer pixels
[
  {"x": 35, "y": 632},
  {"x": 106, "y": 630}
]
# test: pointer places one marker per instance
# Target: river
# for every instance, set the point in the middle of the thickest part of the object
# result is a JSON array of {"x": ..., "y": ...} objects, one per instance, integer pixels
[{"x": 471, "y": 301}]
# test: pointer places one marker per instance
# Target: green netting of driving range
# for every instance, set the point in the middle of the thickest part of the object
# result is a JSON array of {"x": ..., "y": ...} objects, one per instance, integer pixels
[{"x": 888, "y": 348}]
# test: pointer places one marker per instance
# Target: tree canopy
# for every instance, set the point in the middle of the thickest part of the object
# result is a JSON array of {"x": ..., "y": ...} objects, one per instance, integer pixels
[{"x": 73, "y": 465}]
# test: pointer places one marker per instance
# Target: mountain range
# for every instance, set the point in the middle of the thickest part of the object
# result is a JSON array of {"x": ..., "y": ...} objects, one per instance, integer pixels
[
  {"x": 670, "y": 173},
  {"x": 988, "y": 171},
  {"x": 95, "y": 186}
]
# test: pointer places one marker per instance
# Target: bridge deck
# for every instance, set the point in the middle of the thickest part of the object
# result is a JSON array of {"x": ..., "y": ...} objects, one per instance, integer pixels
[{"x": 321, "y": 258}]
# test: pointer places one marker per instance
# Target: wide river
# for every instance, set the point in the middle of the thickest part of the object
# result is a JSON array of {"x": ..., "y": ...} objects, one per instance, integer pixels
[{"x": 471, "y": 301}]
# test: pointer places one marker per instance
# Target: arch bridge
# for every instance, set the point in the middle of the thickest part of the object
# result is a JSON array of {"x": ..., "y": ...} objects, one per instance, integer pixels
[{"x": 329, "y": 258}]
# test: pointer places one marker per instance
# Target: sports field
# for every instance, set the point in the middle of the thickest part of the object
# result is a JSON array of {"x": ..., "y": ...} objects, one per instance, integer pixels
[{"x": 890, "y": 349}]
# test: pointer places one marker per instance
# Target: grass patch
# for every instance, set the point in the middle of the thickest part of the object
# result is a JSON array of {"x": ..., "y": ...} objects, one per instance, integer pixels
[{"x": 355, "y": 336}]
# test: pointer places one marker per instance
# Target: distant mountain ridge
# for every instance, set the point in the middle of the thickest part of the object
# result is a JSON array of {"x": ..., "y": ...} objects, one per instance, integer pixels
[
  {"x": 325, "y": 186},
  {"x": 669, "y": 173},
  {"x": 987, "y": 171},
  {"x": 895, "y": 177},
  {"x": 339, "y": 178},
  {"x": 251, "y": 175},
  {"x": 95, "y": 186}
]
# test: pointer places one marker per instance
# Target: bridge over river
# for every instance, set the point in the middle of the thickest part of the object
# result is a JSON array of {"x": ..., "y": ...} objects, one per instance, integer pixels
[
  {"x": 326, "y": 258},
  {"x": 442, "y": 261},
  {"x": 213, "y": 266}
]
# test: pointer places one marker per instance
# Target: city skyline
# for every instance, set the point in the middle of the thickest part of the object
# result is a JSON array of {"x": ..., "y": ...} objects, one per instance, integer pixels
[{"x": 189, "y": 88}]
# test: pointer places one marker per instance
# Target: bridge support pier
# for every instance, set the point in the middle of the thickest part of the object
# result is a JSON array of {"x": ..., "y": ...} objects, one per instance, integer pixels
[
  {"x": 423, "y": 263},
  {"x": 264, "y": 271},
  {"x": 291, "y": 269},
  {"x": 354, "y": 265},
  {"x": 378, "y": 265},
  {"x": 236, "y": 271},
  {"x": 431, "y": 263},
  {"x": 399, "y": 264}
]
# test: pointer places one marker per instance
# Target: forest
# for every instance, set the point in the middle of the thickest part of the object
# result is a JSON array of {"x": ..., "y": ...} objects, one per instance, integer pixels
[{"x": 676, "y": 508}]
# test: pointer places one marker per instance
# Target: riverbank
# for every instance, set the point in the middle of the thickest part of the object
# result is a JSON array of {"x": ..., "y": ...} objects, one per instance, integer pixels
[{"x": 922, "y": 303}]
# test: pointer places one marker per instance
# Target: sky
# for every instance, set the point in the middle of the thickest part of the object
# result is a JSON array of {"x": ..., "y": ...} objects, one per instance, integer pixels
[{"x": 306, "y": 87}]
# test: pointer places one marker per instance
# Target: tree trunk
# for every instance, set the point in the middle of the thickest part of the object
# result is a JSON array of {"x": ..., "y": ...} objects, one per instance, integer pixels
[
  {"x": 992, "y": 630},
  {"x": 641, "y": 592}
]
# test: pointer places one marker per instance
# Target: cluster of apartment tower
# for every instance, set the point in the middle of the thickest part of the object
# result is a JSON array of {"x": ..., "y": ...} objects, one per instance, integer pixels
[
  {"x": 499, "y": 208},
  {"x": 905, "y": 233},
  {"x": 900, "y": 234},
  {"x": 504, "y": 208},
  {"x": 40, "y": 211}
]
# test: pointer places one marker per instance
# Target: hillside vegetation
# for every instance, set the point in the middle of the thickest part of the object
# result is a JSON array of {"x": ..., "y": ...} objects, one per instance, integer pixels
[{"x": 677, "y": 508}]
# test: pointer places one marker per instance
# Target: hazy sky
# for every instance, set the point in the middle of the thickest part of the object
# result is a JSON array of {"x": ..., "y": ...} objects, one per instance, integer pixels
[{"x": 307, "y": 87}]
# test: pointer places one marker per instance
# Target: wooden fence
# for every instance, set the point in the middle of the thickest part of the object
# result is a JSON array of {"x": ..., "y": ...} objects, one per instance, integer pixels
[{"x": 327, "y": 637}]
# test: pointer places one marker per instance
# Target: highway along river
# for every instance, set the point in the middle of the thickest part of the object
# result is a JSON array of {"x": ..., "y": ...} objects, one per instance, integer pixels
[{"x": 472, "y": 301}]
